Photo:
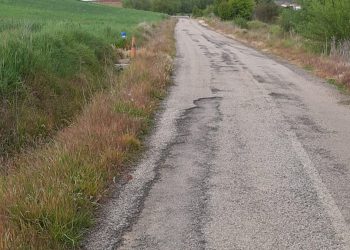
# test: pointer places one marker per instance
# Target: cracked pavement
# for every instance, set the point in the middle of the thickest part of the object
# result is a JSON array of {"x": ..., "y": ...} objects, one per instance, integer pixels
[{"x": 249, "y": 152}]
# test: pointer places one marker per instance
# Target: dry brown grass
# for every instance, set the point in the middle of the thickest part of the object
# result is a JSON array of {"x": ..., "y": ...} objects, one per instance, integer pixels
[
  {"x": 48, "y": 196},
  {"x": 271, "y": 39}
]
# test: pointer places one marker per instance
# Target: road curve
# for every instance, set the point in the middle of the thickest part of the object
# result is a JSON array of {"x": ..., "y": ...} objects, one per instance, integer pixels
[{"x": 249, "y": 153}]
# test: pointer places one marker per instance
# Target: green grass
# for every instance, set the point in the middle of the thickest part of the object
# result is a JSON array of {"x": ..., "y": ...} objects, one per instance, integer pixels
[
  {"x": 48, "y": 199},
  {"x": 53, "y": 58},
  {"x": 130, "y": 109},
  {"x": 341, "y": 87}
]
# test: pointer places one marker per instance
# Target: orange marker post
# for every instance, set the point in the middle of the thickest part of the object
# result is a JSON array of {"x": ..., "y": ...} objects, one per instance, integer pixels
[{"x": 133, "y": 47}]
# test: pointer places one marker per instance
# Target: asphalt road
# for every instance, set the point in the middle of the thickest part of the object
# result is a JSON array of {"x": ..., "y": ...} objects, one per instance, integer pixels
[{"x": 248, "y": 153}]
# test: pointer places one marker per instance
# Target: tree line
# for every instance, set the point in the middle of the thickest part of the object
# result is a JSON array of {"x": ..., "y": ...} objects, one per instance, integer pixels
[
  {"x": 266, "y": 10},
  {"x": 317, "y": 20},
  {"x": 170, "y": 7}
]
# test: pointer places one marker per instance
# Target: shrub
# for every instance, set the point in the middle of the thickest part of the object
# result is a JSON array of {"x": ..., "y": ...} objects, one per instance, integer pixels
[
  {"x": 209, "y": 10},
  {"x": 138, "y": 4},
  {"x": 327, "y": 19},
  {"x": 275, "y": 30},
  {"x": 197, "y": 12},
  {"x": 256, "y": 25},
  {"x": 230, "y": 9},
  {"x": 170, "y": 7},
  {"x": 241, "y": 22},
  {"x": 290, "y": 20},
  {"x": 266, "y": 12},
  {"x": 224, "y": 11},
  {"x": 320, "y": 21},
  {"x": 242, "y": 8}
]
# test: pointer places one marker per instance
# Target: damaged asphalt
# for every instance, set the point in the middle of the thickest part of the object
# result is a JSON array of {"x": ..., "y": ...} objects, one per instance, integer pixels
[{"x": 248, "y": 153}]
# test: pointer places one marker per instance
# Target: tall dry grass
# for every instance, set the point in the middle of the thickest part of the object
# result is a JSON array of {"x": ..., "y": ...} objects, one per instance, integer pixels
[
  {"x": 270, "y": 38},
  {"x": 340, "y": 50},
  {"x": 48, "y": 197}
]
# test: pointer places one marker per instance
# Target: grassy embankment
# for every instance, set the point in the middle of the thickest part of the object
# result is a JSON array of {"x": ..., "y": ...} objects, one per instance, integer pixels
[
  {"x": 53, "y": 58},
  {"x": 49, "y": 194},
  {"x": 288, "y": 45}
]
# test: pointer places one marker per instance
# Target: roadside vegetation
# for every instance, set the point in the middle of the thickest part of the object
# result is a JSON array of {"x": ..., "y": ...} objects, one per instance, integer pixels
[
  {"x": 49, "y": 195},
  {"x": 69, "y": 121},
  {"x": 53, "y": 59},
  {"x": 170, "y": 7},
  {"x": 312, "y": 33},
  {"x": 316, "y": 37}
]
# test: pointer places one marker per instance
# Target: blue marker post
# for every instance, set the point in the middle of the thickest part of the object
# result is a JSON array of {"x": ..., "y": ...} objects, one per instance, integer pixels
[{"x": 123, "y": 35}]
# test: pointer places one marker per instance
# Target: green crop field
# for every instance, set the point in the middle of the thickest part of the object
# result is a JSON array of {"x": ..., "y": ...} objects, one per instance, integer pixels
[
  {"x": 53, "y": 57},
  {"x": 51, "y": 14}
]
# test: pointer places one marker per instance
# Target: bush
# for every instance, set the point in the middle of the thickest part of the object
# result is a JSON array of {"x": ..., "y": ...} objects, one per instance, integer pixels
[
  {"x": 256, "y": 25},
  {"x": 242, "y": 8},
  {"x": 224, "y": 11},
  {"x": 197, "y": 12},
  {"x": 320, "y": 21},
  {"x": 230, "y": 9},
  {"x": 290, "y": 20},
  {"x": 326, "y": 20},
  {"x": 170, "y": 7},
  {"x": 275, "y": 30},
  {"x": 139, "y": 4},
  {"x": 266, "y": 12},
  {"x": 241, "y": 22},
  {"x": 209, "y": 10}
]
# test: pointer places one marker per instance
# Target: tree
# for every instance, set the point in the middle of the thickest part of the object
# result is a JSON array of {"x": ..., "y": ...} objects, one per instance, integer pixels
[
  {"x": 224, "y": 11},
  {"x": 197, "y": 12},
  {"x": 170, "y": 7},
  {"x": 242, "y": 8},
  {"x": 186, "y": 6},
  {"x": 216, "y": 5},
  {"x": 137, "y": 4},
  {"x": 231, "y": 9}
]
